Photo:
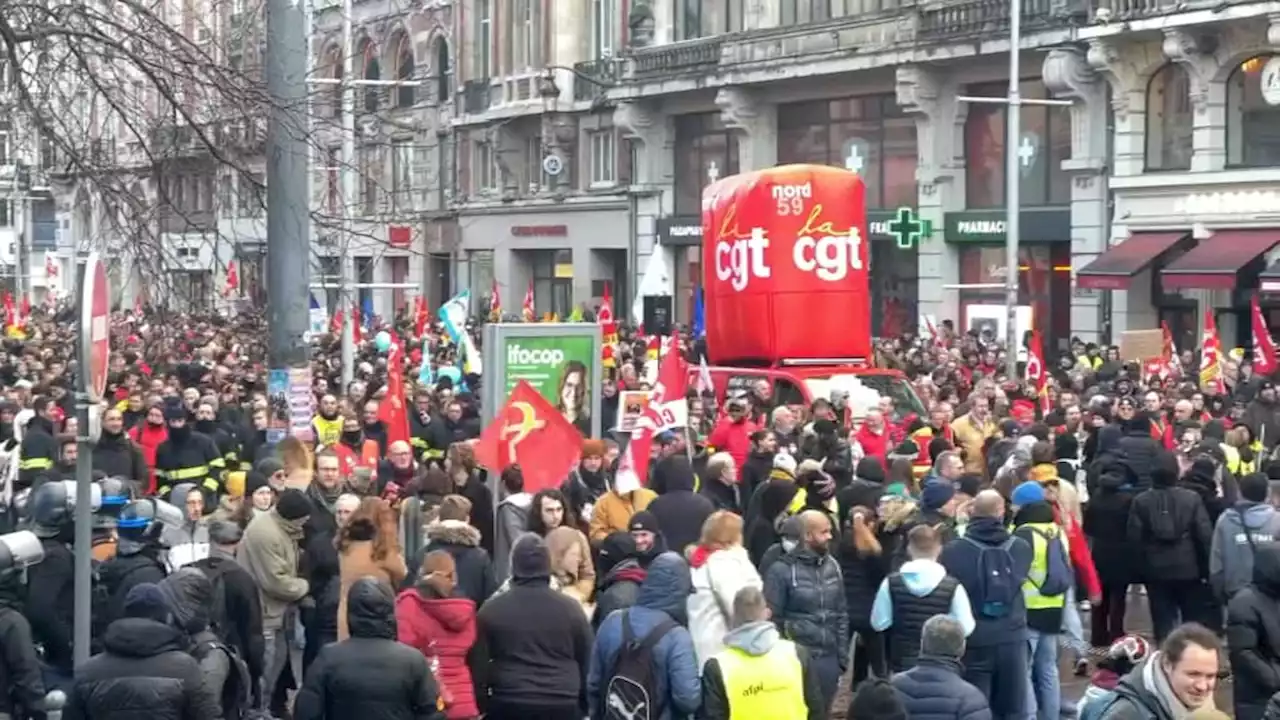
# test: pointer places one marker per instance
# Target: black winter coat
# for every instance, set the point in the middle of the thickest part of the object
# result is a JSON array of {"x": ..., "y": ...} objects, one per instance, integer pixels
[
  {"x": 481, "y": 497},
  {"x": 1138, "y": 452},
  {"x": 1253, "y": 636},
  {"x": 243, "y": 606},
  {"x": 319, "y": 565},
  {"x": 49, "y": 606},
  {"x": 538, "y": 642},
  {"x": 1106, "y": 519},
  {"x": 369, "y": 675},
  {"x": 862, "y": 577},
  {"x": 117, "y": 456},
  {"x": 935, "y": 690},
  {"x": 144, "y": 674},
  {"x": 21, "y": 683},
  {"x": 805, "y": 592},
  {"x": 474, "y": 569},
  {"x": 1171, "y": 529},
  {"x": 122, "y": 573},
  {"x": 679, "y": 511}
]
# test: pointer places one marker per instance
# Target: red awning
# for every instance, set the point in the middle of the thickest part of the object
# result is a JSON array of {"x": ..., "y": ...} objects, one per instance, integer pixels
[
  {"x": 1115, "y": 268},
  {"x": 1214, "y": 263}
]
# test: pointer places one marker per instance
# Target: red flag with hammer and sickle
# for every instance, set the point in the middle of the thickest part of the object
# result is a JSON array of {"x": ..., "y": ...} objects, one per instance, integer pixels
[{"x": 528, "y": 431}]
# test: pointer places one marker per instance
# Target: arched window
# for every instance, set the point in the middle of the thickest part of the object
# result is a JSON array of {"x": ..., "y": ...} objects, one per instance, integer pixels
[
  {"x": 335, "y": 90},
  {"x": 444, "y": 71},
  {"x": 1253, "y": 113},
  {"x": 1169, "y": 119},
  {"x": 372, "y": 71},
  {"x": 406, "y": 95}
]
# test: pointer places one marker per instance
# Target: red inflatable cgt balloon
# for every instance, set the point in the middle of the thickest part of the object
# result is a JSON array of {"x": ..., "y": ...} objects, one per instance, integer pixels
[{"x": 785, "y": 261}]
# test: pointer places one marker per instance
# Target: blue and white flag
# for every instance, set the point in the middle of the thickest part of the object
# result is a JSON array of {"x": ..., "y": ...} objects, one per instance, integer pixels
[{"x": 454, "y": 315}]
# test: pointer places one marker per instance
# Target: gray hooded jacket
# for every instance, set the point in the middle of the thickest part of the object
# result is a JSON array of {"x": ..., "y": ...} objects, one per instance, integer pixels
[{"x": 1231, "y": 556}]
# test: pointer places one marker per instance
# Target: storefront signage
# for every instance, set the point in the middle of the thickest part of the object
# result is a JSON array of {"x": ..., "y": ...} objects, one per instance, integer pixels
[
  {"x": 540, "y": 230},
  {"x": 903, "y": 226},
  {"x": 680, "y": 230},
  {"x": 1039, "y": 225},
  {"x": 1230, "y": 202}
]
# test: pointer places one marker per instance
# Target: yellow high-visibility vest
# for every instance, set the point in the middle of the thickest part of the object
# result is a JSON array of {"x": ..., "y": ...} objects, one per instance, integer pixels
[{"x": 764, "y": 687}]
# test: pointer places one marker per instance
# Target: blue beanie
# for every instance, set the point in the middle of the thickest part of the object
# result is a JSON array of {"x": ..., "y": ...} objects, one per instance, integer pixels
[
  {"x": 1028, "y": 493},
  {"x": 147, "y": 600},
  {"x": 936, "y": 493}
]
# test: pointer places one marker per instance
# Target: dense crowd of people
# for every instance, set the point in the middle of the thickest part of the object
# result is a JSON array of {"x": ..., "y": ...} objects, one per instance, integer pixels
[{"x": 937, "y": 564}]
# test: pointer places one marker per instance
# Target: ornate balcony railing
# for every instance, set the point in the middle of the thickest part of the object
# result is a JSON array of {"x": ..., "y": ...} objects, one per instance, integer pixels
[
  {"x": 680, "y": 57},
  {"x": 953, "y": 20}
]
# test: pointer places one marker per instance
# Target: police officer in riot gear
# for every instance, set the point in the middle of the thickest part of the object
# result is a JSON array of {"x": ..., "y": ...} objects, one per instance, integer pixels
[
  {"x": 51, "y": 584},
  {"x": 22, "y": 693},
  {"x": 117, "y": 492},
  {"x": 140, "y": 555}
]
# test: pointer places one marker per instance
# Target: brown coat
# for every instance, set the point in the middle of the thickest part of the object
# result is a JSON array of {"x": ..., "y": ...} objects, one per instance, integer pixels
[{"x": 358, "y": 562}]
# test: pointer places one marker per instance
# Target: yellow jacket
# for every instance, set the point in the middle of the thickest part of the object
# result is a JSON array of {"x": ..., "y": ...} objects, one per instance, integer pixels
[{"x": 613, "y": 512}]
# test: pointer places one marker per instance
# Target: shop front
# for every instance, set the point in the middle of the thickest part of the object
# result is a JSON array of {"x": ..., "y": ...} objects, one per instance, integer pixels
[
  {"x": 569, "y": 255},
  {"x": 1212, "y": 244},
  {"x": 1044, "y": 271},
  {"x": 895, "y": 269},
  {"x": 681, "y": 235}
]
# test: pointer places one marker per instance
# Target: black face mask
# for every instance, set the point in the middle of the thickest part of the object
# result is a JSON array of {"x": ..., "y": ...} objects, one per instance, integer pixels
[
  {"x": 352, "y": 438},
  {"x": 206, "y": 426},
  {"x": 180, "y": 433}
]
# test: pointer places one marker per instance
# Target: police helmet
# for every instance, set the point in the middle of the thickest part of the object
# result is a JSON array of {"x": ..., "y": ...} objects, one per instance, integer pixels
[
  {"x": 116, "y": 493},
  {"x": 141, "y": 523},
  {"x": 51, "y": 507}
]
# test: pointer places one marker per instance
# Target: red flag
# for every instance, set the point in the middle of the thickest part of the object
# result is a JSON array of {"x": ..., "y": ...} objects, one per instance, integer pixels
[
  {"x": 528, "y": 431},
  {"x": 673, "y": 375},
  {"x": 608, "y": 329},
  {"x": 1172, "y": 365},
  {"x": 335, "y": 325},
  {"x": 633, "y": 466},
  {"x": 233, "y": 280},
  {"x": 1036, "y": 373},
  {"x": 24, "y": 311},
  {"x": 391, "y": 411},
  {"x": 357, "y": 324},
  {"x": 529, "y": 312},
  {"x": 1264, "y": 348},
  {"x": 1211, "y": 357},
  {"x": 10, "y": 312},
  {"x": 421, "y": 317}
]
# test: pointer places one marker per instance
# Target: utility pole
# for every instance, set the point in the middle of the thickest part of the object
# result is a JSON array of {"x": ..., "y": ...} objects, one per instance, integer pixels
[
  {"x": 288, "y": 197},
  {"x": 347, "y": 268},
  {"x": 1012, "y": 180},
  {"x": 347, "y": 286}
]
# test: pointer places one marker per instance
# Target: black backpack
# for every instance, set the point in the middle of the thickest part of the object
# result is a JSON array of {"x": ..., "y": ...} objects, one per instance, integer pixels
[
  {"x": 218, "y": 624},
  {"x": 632, "y": 692},
  {"x": 236, "y": 697}
]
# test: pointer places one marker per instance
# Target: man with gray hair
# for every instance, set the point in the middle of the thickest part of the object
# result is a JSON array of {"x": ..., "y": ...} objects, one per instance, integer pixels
[
  {"x": 758, "y": 674},
  {"x": 934, "y": 687}
]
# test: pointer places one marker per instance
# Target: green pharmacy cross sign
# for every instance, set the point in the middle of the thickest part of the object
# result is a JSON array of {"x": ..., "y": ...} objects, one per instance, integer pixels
[{"x": 907, "y": 228}]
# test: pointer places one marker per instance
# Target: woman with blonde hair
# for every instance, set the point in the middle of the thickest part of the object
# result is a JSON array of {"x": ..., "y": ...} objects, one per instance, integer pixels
[
  {"x": 719, "y": 567},
  {"x": 571, "y": 564},
  {"x": 368, "y": 546}
]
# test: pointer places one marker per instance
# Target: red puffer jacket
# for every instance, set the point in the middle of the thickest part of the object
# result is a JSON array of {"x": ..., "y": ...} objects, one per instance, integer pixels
[
  {"x": 149, "y": 437},
  {"x": 442, "y": 628}
]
